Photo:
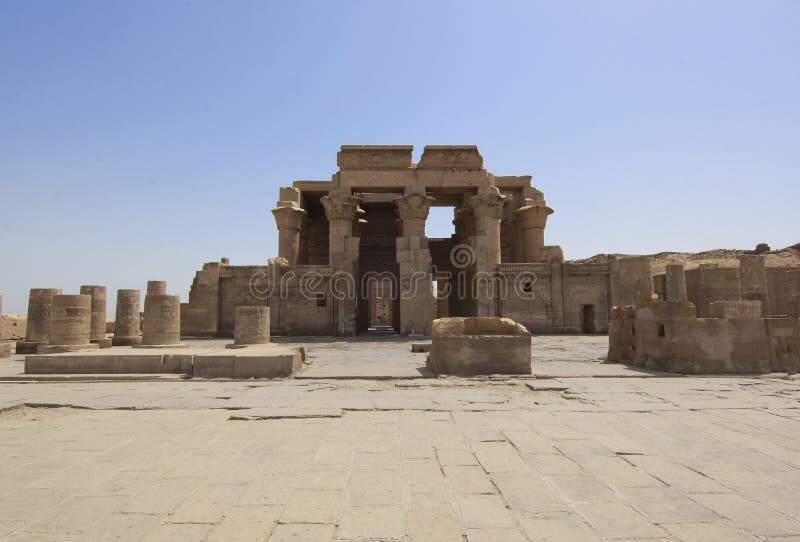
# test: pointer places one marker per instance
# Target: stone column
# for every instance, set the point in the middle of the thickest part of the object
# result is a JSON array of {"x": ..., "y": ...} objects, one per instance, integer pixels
[
  {"x": 162, "y": 320},
  {"x": 487, "y": 207},
  {"x": 98, "y": 331},
  {"x": 414, "y": 259},
  {"x": 531, "y": 221},
  {"x": 71, "y": 321},
  {"x": 252, "y": 325},
  {"x": 464, "y": 222},
  {"x": 289, "y": 220},
  {"x": 676, "y": 283},
  {"x": 342, "y": 211},
  {"x": 128, "y": 321},
  {"x": 40, "y": 309},
  {"x": 156, "y": 287}
]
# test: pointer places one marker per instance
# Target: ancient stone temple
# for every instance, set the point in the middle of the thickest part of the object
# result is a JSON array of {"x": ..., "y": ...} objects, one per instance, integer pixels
[{"x": 353, "y": 254}]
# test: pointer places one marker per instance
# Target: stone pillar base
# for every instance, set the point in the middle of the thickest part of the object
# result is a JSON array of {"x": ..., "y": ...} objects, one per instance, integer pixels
[
  {"x": 28, "y": 347},
  {"x": 5, "y": 350},
  {"x": 61, "y": 348},
  {"x": 126, "y": 341},
  {"x": 102, "y": 343}
]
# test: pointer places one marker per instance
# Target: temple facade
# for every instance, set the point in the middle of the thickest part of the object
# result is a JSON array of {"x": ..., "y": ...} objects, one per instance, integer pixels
[{"x": 353, "y": 255}]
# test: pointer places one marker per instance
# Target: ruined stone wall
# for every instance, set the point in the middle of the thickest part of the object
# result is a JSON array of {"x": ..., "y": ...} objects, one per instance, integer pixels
[
  {"x": 234, "y": 291},
  {"x": 559, "y": 296},
  {"x": 715, "y": 284},
  {"x": 629, "y": 278},
  {"x": 692, "y": 285},
  {"x": 299, "y": 311},
  {"x": 784, "y": 291},
  {"x": 12, "y": 327},
  {"x": 534, "y": 309},
  {"x": 586, "y": 287},
  {"x": 735, "y": 339},
  {"x": 199, "y": 317}
]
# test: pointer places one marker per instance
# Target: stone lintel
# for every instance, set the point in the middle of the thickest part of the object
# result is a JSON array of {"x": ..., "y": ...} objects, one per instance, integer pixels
[
  {"x": 450, "y": 157},
  {"x": 308, "y": 186},
  {"x": 374, "y": 157},
  {"x": 513, "y": 181}
]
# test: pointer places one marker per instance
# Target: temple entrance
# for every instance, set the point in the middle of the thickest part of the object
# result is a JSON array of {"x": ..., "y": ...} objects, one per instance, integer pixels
[
  {"x": 587, "y": 319},
  {"x": 381, "y": 304}
]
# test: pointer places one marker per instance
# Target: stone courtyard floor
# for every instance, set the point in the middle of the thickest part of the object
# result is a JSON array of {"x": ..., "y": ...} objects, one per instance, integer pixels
[{"x": 595, "y": 452}]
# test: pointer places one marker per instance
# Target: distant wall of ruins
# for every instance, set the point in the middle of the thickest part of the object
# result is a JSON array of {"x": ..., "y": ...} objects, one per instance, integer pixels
[{"x": 722, "y": 322}]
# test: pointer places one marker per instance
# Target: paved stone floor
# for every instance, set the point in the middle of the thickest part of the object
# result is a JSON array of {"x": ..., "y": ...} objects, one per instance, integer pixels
[{"x": 520, "y": 459}]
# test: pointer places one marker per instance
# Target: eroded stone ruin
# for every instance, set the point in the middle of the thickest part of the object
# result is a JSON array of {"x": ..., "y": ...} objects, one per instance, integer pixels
[
  {"x": 709, "y": 320},
  {"x": 368, "y": 223},
  {"x": 353, "y": 256},
  {"x": 479, "y": 346}
]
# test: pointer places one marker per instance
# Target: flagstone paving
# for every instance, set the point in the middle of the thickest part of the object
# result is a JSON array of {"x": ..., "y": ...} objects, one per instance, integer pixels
[{"x": 518, "y": 459}]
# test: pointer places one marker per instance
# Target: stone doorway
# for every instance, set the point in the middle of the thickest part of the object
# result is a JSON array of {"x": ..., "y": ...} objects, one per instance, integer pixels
[
  {"x": 380, "y": 299},
  {"x": 587, "y": 319}
]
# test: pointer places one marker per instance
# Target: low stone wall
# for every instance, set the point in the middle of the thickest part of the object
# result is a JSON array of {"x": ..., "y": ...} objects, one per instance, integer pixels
[
  {"x": 735, "y": 339},
  {"x": 479, "y": 346},
  {"x": 258, "y": 361},
  {"x": 12, "y": 327}
]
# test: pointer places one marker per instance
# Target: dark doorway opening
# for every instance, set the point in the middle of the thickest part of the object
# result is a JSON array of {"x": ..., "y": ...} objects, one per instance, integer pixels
[{"x": 587, "y": 319}]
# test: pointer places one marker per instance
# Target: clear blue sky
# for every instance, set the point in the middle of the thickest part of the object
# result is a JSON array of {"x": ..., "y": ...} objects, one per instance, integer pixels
[{"x": 139, "y": 139}]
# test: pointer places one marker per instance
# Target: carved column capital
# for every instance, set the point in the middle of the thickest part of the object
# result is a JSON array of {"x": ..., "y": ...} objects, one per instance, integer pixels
[
  {"x": 532, "y": 216},
  {"x": 413, "y": 211},
  {"x": 487, "y": 204},
  {"x": 289, "y": 217},
  {"x": 414, "y": 206},
  {"x": 341, "y": 206}
]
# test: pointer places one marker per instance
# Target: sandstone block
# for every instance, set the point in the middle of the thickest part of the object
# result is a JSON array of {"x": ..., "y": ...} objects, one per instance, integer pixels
[{"x": 474, "y": 346}]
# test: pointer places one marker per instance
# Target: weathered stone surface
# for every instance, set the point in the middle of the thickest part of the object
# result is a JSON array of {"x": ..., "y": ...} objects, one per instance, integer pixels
[
  {"x": 688, "y": 459},
  {"x": 156, "y": 287},
  {"x": 162, "y": 320},
  {"x": 675, "y": 283},
  {"x": 734, "y": 338},
  {"x": 472, "y": 346},
  {"x": 12, "y": 327},
  {"x": 40, "y": 310},
  {"x": 98, "y": 322},
  {"x": 71, "y": 320},
  {"x": 256, "y": 361},
  {"x": 378, "y": 203},
  {"x": 252, "y": 325},
  {"x": 127, "y": 322},
  {"x": 97, "y": 362}
]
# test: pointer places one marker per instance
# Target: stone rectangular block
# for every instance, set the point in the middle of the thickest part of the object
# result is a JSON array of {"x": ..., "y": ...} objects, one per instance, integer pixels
[
  {"x": 475, "y": 346},
  {"x": 129, "y": 362},
  {"x": 268, "y": 361}
]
